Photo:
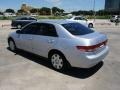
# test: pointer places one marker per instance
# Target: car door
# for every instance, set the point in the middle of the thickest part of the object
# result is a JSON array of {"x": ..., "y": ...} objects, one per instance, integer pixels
[
  {"x": 22, "y": 21},
  {"x": 26, "y": 37},
  {"x": 45, "y": 39}
]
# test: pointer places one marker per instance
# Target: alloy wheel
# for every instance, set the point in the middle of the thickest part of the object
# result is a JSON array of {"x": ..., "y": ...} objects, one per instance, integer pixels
[{"x": 57, "y": 61}]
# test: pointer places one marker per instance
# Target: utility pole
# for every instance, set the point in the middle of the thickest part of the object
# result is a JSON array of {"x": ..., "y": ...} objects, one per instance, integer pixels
[
  {"x": 94, "y": 12},
  {"x": 51, "y": 12}
]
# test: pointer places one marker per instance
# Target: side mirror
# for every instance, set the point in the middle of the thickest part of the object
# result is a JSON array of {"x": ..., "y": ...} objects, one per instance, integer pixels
[{"x": 18, "y": 31}]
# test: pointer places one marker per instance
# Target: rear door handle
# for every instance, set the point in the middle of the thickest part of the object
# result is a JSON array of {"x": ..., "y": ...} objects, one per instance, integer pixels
[{"x": 30, "y": 38}]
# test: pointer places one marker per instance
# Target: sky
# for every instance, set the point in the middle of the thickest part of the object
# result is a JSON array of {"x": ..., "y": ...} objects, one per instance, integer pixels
[{"x": 67, "y": 5}]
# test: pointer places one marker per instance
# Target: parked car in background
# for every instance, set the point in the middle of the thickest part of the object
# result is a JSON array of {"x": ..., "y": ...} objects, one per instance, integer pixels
[
  {"x": 22, "y": 21},
  {"x": 33, "y": 15},
  {"x": 82, "y": 20},
  {"x": 65, "y": 43},
  {"x": 9, "y": 14},
  {"x": 1, "y": 15},
  {"x": 114, "y": 18}
]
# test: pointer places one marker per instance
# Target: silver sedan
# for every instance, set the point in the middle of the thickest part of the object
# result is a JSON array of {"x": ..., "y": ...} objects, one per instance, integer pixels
[{"x": 65, "y": 43}]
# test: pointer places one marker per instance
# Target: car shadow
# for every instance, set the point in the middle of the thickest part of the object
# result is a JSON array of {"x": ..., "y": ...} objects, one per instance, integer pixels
[
  {"x": 73, "y": 72},
  {"x": 14, "y": 28}
]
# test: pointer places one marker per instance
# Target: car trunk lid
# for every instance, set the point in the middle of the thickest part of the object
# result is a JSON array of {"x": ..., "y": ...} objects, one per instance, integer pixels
[{"x": 92, "y": 41}]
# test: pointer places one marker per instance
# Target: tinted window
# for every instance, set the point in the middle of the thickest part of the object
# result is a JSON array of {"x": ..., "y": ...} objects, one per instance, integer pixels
[
  {"x": 77, "y": 29},
  {"x": 78, "y": 18},
  {"x": 31, "y": 29},
  {"x": 48, "y": 30},
  {"x": 32, "y": 19},
  {"x": 23, "y": 18}
]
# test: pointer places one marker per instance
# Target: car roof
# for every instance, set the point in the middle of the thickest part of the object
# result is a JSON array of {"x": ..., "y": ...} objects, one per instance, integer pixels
[{"x": 56, "y": 21}]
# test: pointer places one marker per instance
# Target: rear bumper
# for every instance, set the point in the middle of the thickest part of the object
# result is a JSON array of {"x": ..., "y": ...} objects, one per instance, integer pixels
[
  {"x": 88, "y": 61},
  {"x": 13, "y": 25}
]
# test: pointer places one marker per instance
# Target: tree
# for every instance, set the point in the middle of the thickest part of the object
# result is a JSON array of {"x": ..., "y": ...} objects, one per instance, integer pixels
[
  {"x": 9, "y": 11},
  {"x": 21, "y": 12},
  {"x": 26, "y": 8},
  {"x": 34, "y": 10},
  {"x": 55, "y": 10},
  {"x": 45, "y": 11},
  {"x": 61, "y": 11}
]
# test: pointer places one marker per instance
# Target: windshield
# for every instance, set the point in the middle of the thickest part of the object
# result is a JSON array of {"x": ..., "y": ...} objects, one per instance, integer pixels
[{"x": 77, "y": 29}]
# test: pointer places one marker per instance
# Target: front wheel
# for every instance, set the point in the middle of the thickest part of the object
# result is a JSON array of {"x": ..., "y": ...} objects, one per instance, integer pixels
[
  {"x": 58, "y": 62},
  {"x": 12, "y": 45}
]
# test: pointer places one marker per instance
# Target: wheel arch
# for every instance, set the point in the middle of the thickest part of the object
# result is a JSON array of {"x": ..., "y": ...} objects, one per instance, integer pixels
[
  {"x": 57, "y": 51},
  {"x": 90, "y": 23},
  {"x": 54, "y": 51},
  {"x": 10, "y": 38}
]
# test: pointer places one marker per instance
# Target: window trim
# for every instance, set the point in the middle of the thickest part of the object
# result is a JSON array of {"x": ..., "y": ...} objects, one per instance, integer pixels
[{"x": 22, "y": 31}]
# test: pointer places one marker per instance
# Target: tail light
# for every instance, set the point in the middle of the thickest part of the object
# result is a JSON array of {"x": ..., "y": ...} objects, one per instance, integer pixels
[{"x": 91, "y": 48}]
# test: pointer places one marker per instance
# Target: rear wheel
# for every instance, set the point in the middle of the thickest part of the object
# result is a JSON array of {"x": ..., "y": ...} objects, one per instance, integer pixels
[
  {"x": 58, "y": 61},
  {"x": 90, "y": 25},
  {"x": 19, "y": 26}
]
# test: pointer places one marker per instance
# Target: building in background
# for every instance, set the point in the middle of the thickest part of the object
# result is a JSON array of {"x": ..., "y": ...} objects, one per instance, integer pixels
[{"x": 112, "y": 5}]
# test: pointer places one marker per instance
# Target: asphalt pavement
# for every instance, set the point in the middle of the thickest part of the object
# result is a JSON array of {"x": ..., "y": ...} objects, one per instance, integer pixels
[{"x": 25, "y": 71}]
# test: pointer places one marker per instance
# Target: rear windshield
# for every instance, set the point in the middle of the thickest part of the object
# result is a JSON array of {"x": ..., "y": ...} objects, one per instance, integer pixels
[{"x": 77, "y": 29}]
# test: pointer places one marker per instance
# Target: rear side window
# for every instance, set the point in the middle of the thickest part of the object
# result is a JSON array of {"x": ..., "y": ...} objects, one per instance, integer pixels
[
  {"x": 77, "y": 29},
  {"x": 31, "y": 18},
  {"x": 78, "y": 18},
  {"x": 23, "y": 18},
  {"x": 48, "y": 30}
]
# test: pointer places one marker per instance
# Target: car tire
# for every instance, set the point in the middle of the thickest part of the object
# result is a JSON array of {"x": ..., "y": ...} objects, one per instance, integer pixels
[
  {"x": 19, "y": 26},
  {"x": 12, "y": 45},
  {"x": 90, "y": 25},
  {"x": 59, "y": 62}
]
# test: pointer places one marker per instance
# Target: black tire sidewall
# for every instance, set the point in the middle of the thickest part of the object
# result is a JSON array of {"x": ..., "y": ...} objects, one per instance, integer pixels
[
  {"x": 14, "y": 45},
  {"x": 90, "y": 25}
]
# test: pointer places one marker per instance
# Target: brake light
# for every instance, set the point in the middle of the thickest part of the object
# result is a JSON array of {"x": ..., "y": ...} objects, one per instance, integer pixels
[{"x": 91, "y": 48}]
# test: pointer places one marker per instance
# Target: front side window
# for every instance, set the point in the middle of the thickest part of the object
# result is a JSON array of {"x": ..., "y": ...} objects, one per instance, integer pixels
[
  {"x": 31, "y": 29},
  {"x": 40, "y": 29},
  {"x": 77, "y": 29}
]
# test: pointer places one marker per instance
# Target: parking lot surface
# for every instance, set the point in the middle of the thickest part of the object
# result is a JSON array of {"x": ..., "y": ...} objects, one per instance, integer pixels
[{"x": 25, "y": 71}]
